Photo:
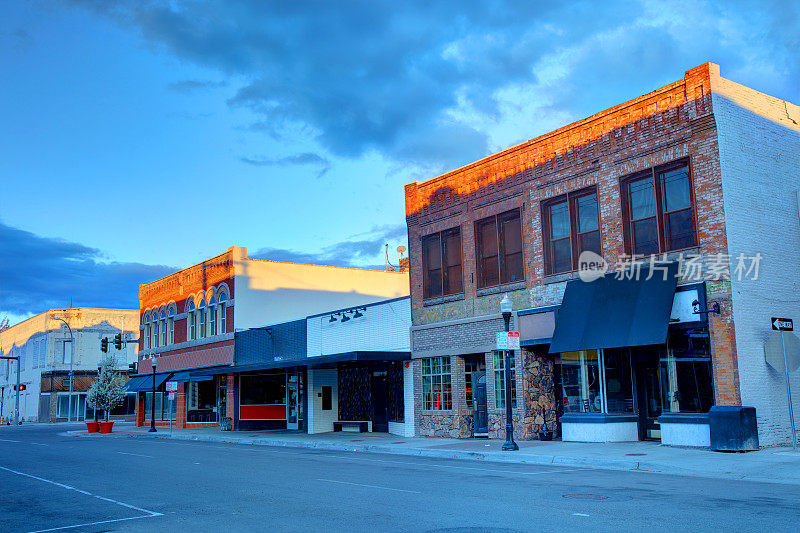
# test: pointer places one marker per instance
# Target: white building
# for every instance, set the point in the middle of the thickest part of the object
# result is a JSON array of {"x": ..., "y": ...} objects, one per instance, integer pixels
[{"x": 45, "y": 348}]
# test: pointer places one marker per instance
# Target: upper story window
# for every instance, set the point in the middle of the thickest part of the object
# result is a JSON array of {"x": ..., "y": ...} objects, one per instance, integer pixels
[
  {"x": 570, "y": 226},
  {"x": 222, "y": 313},
  {"x": 154, "y": 330},
  {"x": 146, "y": 331},
  {"x": 171, "y": 326},
  {"x": 658, "y": 210},
  {"x": 212, "y": 319},
  {"x": 441, "y": 263},
  {"x": 190, "y": 321},
  {"x": 162, "y": 329},
  {"x": 498, "y": 242},
  {"x": 201, "y": 319}
]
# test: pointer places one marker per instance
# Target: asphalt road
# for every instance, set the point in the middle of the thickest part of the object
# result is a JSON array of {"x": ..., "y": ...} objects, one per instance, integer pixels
[{"x": 120, "y": 483}]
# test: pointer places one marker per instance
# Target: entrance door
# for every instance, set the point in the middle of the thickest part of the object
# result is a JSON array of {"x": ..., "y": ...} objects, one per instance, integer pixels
[
  {"x": 648, "y": 392},
  {"x": 292, "y": 400},
  {"x": 380, "y": 405},
  {"x": 479, "y": 407}
]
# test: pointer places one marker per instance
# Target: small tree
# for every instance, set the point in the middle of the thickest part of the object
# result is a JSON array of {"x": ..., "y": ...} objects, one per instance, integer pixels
[{"x": 107, "y": 391}]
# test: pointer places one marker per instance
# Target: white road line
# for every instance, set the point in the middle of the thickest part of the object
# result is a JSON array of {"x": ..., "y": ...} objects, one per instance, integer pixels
[
  {"x": 9, "y": 440},
  {"x": 38, "y": 444},
  {"x": 148, "y": 513},
  {"x": 136, "y": 454},
  {"x": 369, "y": 486},
  {"x": 579, "y": 514}
]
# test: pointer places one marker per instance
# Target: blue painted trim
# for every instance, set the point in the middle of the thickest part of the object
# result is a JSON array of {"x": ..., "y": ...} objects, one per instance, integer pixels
[
  {"x": 537, "y": 310},
  {"x": 683, "y": 418},
  {"x": 535, "y": 342}
]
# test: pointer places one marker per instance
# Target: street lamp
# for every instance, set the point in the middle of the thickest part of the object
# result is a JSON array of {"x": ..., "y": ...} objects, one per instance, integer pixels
[
  {"x": 509, "y": 445},
  {"x": 153, "y": 361}
]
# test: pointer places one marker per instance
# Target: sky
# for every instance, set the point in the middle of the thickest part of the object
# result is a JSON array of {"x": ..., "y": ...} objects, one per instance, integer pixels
[{"x": 138, "y": 137}]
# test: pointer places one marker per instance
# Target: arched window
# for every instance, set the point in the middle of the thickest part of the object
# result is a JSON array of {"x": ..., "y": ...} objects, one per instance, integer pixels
[
  {"x": 171, "y": 326},
  {"x": 162, "y": 329},
  {"x": 212, "y": 318},
  {"x": 221, "y": 313},
  {"x": 146, "y": 331},
  {"x": 201, "y": 319},
  {"x": 190, "y": 324},
  {"x": 154, "y": 330}
]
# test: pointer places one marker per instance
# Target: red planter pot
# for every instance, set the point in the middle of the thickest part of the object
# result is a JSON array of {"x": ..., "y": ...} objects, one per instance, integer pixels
[
  {"x": 92, "y": 427},
  {"x": 105, "y": 427}
]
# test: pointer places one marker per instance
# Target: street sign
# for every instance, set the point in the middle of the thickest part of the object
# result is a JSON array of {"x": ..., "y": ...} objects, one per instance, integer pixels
[
  {"x": 172, "y": 395},
  {"x": 773, "y": 353},
  {"x": 502, "y": 340},
  {"x": 513, "y": 340},
  {"x": 781, "y": 324},
  {"x": 172, "y": 386},
  {"x": 508, "y": 340}
]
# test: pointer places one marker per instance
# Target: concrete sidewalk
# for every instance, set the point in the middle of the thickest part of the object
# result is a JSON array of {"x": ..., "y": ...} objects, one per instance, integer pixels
[{"x": 771, "y": 465}]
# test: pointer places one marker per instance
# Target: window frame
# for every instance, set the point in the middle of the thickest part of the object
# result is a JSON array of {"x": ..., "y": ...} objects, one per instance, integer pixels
[
  {"x": 572, "y": 198},
  {"x": 655, "y": 175},
  {"x": 502, "y": 377},
  {"x": 222, "y": 306},
  {"x": 428, "y": 398},
  {"x": 191, "y": 330},
  {"x": 443, "y": 266},
  {"x": 500, "y": 253},
  {"x": 171, "y": 326}
]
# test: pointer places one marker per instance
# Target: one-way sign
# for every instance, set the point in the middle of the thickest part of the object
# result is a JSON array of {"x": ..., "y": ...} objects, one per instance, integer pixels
[{"x": 782, "y": 324}]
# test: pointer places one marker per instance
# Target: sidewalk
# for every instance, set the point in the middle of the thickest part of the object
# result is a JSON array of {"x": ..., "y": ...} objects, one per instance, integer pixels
[{"x": 771, "y": 465}]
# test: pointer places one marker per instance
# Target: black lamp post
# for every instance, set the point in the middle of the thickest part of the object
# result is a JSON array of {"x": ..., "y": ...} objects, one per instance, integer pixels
[
  {"x": 153, "y": 400},
  {"x": 509, "y": 445}
]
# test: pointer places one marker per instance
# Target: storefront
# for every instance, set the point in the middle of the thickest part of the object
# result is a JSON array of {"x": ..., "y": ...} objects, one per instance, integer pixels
[
  {"x": 272, "y": 399},
  {"x": 635, "y": 360}
]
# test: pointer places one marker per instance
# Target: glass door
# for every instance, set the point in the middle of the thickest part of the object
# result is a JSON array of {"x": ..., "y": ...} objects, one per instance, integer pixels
[
  {"x": 292, "y": 400},
  {"x": 648, "y": 392}
]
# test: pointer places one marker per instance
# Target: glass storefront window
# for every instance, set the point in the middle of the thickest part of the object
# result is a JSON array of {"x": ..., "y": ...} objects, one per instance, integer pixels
[
  {"x": 78, "y": 406},
  {"x": 165, "y": 408},
  {"x": 500, "y": 382},
  {"x": 580, "y": 382},
  {"x": 686, "y": 373},
  {"x": 263, "y": 389},
  {"x": 436, "y": 384},
  {"x": 201, "y": 401},
  {"x": 619, "y": 384}
]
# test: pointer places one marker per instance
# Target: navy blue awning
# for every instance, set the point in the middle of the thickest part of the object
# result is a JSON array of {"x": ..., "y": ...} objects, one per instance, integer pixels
[
  {"x": 144, "y": 382},
  {"x": 327, "y": 360},
  {"x": 612, "y": 313}
]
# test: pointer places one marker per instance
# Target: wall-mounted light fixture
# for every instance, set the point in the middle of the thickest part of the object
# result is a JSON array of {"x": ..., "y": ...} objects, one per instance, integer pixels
[
  {"x": 332, "y": 317},
  {"x": 357, "y": 314},
  {"x": 697, "y": 311},
  {"x": 345, "y": 318}
]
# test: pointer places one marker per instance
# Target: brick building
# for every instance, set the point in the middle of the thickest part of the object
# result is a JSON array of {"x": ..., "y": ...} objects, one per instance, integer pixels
[
  {"x": 189, "y": 320},
  {"x": 45, "y": 348},
  {"x": 693, "y": 186}
]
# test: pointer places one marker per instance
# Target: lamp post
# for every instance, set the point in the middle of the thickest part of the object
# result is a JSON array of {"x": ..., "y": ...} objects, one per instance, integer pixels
[
  {"x": 509, "y": 445},
  {"x": 71, "y": 357},
  {"x": 153, "y": 360}
]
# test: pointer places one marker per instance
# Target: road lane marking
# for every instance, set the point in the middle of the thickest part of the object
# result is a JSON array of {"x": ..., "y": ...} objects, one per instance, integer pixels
[
  {"x": 136, "y": 454},
  {"x": 38, "y": 444},
  {"x": 148, "y": 513},
  {"x": 579, "y": 514},
  {"x": 369, "y": 486},
  {"x": 9, "y": 440}
]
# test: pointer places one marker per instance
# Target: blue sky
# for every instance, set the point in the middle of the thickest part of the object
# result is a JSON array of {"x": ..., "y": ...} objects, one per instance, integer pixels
[{"x": 140, "y": 137}]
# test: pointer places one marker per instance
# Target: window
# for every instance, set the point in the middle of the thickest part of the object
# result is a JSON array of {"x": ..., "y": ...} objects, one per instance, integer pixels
[
  {"x": 436, "y": 381},
  {"x": 171, "y": 327},
  {"x": 165, "y": 408},
  {"x": 686, "y": 373},
  {"x": 78, "y": 406},
  {"x": 162, "y": 329},
  {"x": 222, "y": 314},
  {"x": 499, "y": 249},
  {"x": 190, "y": 323},
  {"x": 327, "y": 397},
  {"x": 580, "y": 381},
  {"x": 212, "y": 319},
  {"x": 500, "y": 381},
  {"x": 263, "y": 389},
  {"x": 472, "y": 365},
  {"x": 619, "y": 383},
  {"x": 570, "y": 227},
  {"x": 201, "y": 319},
  {"x": 154, "y": 331},
  {"x": 441, "y": 260},
  {"x": 146, "y": 332},
  {"x": 66, "y": 352},
  {"x": 201, "y": 401},
  {"x": 658, "y": 210}
]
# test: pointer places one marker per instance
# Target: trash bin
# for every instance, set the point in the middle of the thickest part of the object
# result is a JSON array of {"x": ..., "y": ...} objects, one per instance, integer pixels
[
  {"x": 733, "y": 428},
  {"x": 225, "y": 423}
]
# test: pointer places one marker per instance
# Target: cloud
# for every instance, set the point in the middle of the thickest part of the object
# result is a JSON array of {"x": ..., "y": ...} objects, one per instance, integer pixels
[
  {"x": 361, "y": 250},
  {"x": 190, "y": 86},
  {"x": 446, "y": 83},
  {"x": 38, "y": 273},
  {"x": 308, "y": 158}
]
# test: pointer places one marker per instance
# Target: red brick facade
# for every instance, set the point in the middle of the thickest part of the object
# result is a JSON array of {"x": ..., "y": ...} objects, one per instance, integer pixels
[{"x": 675, "y": 122}]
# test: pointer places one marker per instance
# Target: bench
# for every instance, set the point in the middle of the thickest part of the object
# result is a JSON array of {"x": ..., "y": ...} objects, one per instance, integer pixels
[{"x": 356, "y": 426}]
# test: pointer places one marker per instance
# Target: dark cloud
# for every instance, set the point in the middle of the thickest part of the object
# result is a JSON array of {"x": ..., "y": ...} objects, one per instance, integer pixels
[
  {"x": 38, "y": 273},
  {"x": 189, "y": 86},
  {"x": 360, "y": 251},
  {"x": 308, "y": 158},
  {"x": 386, "y": 76}
]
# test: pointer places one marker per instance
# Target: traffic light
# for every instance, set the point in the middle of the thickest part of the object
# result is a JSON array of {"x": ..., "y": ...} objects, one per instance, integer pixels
[
  {"x": 22, "y": 387},
  {"x": 118, "y": 341},
  {"x": 104, "y": 345}
]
